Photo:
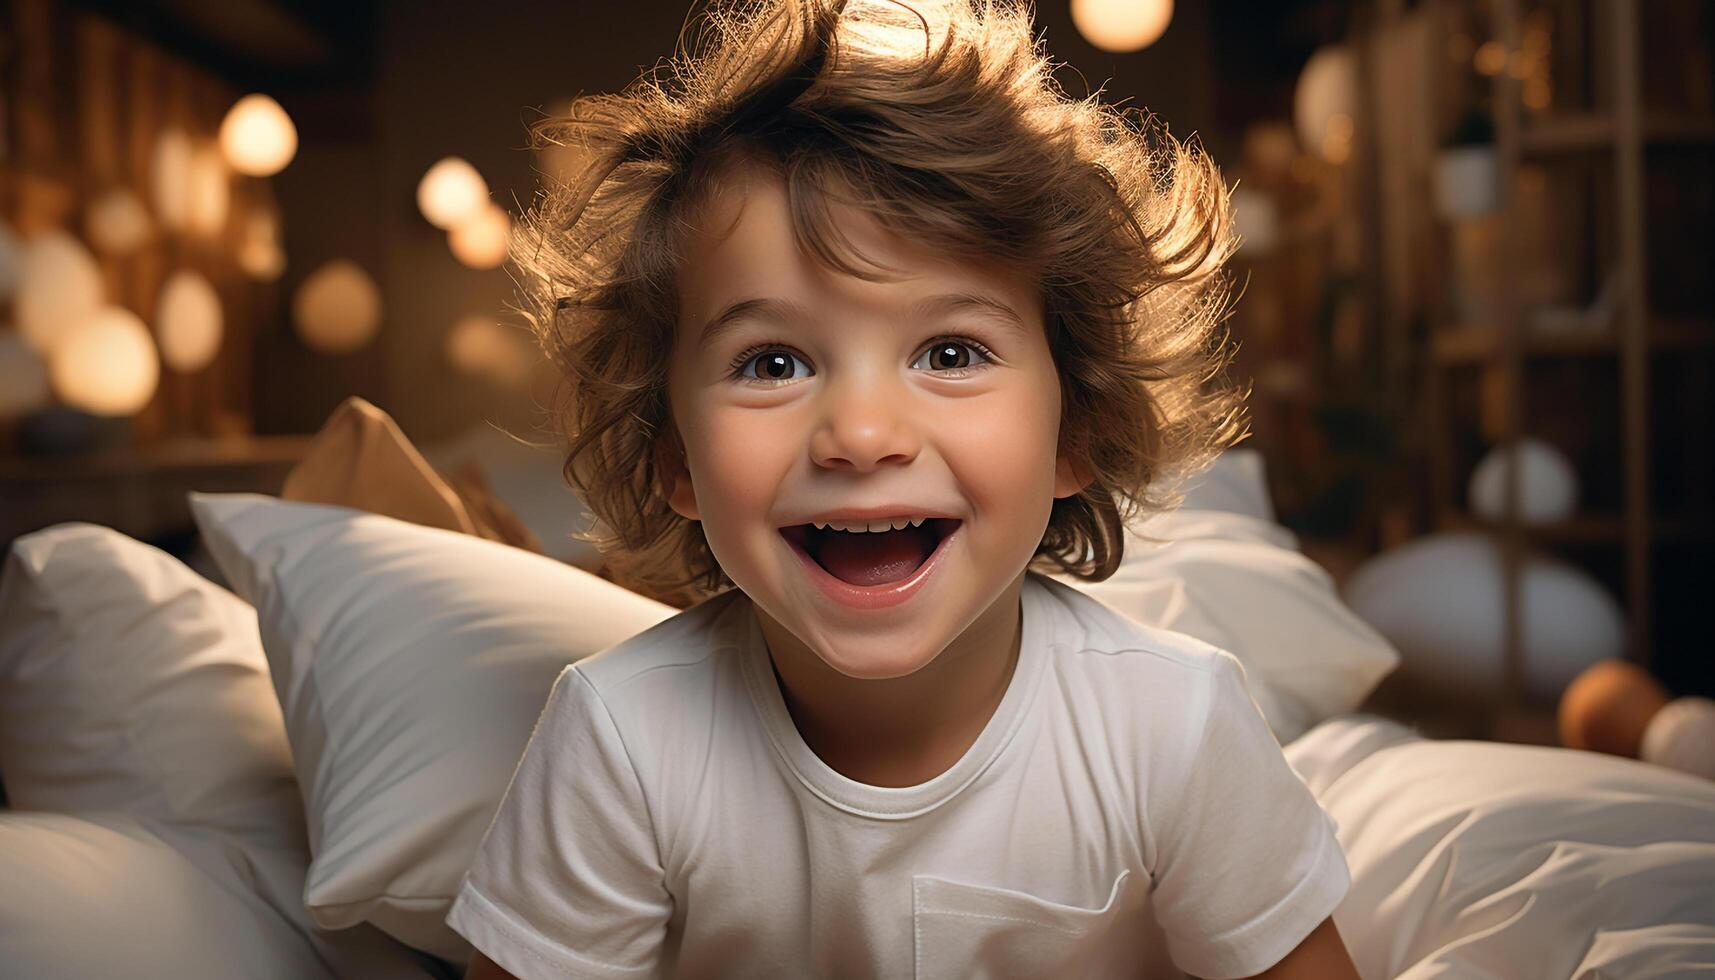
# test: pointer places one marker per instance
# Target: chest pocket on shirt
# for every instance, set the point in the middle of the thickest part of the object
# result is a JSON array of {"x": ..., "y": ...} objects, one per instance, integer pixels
[{"x": 974, "y": 932}]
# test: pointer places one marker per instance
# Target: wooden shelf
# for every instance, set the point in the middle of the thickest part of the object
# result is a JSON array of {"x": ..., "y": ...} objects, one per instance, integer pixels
[
  {"x": 1583, "y": 529},
  {"x": 1474, "y": 344},
  {"x": 1577, "y": 132}
]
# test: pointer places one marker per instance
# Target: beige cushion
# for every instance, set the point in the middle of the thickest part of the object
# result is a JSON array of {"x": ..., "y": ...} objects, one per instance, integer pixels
[{"x": 412, "y": 664}]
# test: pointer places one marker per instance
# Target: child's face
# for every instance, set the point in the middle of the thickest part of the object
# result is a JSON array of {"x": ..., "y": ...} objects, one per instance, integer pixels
[{"x": 804, "y": 396}]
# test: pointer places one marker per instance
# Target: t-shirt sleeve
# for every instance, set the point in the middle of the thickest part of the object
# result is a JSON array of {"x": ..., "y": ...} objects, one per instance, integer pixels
[
  {"x": 568, "y": 880},
  {"x": 1247, "y": 863}
]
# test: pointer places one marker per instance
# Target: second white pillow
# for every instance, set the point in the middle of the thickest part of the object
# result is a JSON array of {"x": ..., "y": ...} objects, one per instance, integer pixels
[{"x": 411, "y": 664}]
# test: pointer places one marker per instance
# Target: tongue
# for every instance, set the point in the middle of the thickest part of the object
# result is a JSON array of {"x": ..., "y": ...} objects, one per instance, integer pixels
[{"x": 874, "y": 559}]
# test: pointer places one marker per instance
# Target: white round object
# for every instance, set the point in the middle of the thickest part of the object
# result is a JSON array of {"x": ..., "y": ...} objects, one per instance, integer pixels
[
  {"x": 11, "y": 261},
  {"x": 210, "y": 191},
  {"x": 1547, "y": 483},
  {"x": 1325, "y": 104},
  {"x": 337, "y": 308},
  {"x": 170, "y": 179},
  {"x": 23, "y": 377},
  {"x": 1467, "y": 182},
  {"x": 257, "y": 137},
  {"x": 1258, "y": 221},
  {"x": 117, "y": 222},
  {"x": 1439, "y": 600},
  {"x": 1682, "y": 736},
  {"x": 451, "y": 192},
  {"x": 61, "y": 287},
  {"x": 1122, "y": 25},
  {"x": 481, "y": 240},
  {"x": 189, "y": 319},
  {"x": 106, "y": 365}
]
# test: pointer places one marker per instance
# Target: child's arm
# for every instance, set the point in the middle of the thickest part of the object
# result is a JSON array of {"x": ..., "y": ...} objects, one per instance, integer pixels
[
  {"x": 483, "y": 968},
  {"x": 1321, "y": 956}
]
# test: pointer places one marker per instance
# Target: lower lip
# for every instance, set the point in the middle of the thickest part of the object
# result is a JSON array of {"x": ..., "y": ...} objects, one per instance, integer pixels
[{"x": 867, "y": 597}]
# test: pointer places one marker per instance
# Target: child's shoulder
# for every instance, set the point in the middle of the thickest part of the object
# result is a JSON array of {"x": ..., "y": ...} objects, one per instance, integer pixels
[
  {"x": 686, "y": 640},
  {"x": 1097, "y": 637}
]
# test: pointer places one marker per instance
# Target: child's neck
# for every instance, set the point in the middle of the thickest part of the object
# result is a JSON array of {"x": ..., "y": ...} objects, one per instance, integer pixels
[{"x": 900, "y": 731}]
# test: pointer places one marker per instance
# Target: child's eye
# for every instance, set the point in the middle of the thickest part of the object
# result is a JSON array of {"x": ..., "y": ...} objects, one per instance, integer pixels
[
  {"x": 951, "y": 355},
  {"x": 773, "y": 365}
]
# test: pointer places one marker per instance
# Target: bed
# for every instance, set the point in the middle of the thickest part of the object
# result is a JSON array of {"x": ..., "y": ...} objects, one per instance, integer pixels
[{"x": 287, "y": 779}]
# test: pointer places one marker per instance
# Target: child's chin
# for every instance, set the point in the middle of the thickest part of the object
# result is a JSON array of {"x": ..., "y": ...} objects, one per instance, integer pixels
[{"x": 877, "y": 658}]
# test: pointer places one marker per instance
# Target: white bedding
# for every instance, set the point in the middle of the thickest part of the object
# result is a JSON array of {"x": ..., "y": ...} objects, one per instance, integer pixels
[{"x": 1482, "y": 860}]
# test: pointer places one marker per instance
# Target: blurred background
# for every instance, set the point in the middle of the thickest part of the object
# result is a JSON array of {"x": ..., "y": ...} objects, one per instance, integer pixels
[{"x": 1477, "y": 307}]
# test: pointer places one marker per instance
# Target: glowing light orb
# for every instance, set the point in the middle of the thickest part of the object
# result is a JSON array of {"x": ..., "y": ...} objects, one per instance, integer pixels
[
  {"x": 1258, "y": 221},
  {"x": 106, "y": 365},
  {"x": 210, "y": 191},
  {"x": 23, "y": 377},
  {"x": 190, "y": 321},
  {"x": 259, "y": 252},
  {"x": 337, "y": 308},
  {"x": 61, "y": 286},
  {"x": 1122, "y": 25},
  {"x": 481, "y": 347},
  {"x": 451, "y": 192},
  {"x": 117, "y": 222},
  {"x": 1325, "y": 103},
  {"x": 257, "y": 137},
  {"x": 481, "y": 240},
  {"x": 170, "y": 179}
]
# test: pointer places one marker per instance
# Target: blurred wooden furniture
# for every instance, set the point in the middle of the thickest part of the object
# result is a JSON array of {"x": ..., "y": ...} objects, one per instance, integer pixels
[
  {"x": 1612, "y": 146},
  {"x": 141, "y": 490}
]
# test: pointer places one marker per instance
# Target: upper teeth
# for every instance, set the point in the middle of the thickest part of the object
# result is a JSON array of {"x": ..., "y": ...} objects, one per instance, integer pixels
[{"x": 876, "y": 527}]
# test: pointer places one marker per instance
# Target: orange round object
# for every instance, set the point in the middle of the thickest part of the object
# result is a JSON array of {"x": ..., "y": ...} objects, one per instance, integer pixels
[{"x": 1608, "y": 707}]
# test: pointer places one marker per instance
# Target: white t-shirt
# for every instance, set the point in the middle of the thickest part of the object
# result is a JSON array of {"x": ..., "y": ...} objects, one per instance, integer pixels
[{"x": 1124, "y": 810}]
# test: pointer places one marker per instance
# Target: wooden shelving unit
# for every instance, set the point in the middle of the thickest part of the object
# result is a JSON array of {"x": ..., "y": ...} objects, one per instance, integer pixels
[{"x": 1610, "y": 140}]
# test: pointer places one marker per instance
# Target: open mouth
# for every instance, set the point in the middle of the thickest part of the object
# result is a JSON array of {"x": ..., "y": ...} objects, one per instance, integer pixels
[{"x": 871, "y": 558}]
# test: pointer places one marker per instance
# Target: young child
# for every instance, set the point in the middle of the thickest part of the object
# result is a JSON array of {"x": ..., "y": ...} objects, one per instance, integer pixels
[{"x": 862, "y": 316}]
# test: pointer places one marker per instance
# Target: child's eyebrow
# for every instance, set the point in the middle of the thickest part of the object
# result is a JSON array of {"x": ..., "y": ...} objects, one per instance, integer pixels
[
  {"x": 779, "y": 311},
  {"x": 785, "y": 312}
]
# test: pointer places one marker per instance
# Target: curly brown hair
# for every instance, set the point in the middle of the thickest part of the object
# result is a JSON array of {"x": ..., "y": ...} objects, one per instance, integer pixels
[{"x": 944, "y": 121}]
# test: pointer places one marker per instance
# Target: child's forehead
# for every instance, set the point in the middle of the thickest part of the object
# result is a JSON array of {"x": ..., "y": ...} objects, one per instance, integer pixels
[{"x": 741, "y": 240}]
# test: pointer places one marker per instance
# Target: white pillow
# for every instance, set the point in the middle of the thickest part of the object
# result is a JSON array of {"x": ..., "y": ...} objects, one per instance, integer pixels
[
  {"x": 113, "y": 895},
  {"x": 130, "y": 683},
  {"x": 412, "y": 664},
  {"x": 1238, "y": 581},
  {"x": 1475, "y": 859}
]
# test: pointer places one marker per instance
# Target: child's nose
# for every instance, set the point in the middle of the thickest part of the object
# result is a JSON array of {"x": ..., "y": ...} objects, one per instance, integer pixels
[{"x": 864, "y": 426}]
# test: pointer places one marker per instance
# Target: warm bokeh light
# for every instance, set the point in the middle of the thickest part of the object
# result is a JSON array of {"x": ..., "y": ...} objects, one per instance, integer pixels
[
  {"x": 451, "y": 192},
  {"x": 23, "y": 377},
  {"x": 170, "y": 179},
  {"x": 257, "y": 137},
  {"x": 479, "y": 346},
  {"x": 1122, "y": 25},
  {"x": 481, "y": 240},
  {"x": 210, "y": 191},
  {"x": 117, "y": 222},
  {"x": 337, "y": 308},
  {"x": 1325, "y": 105},
  {"x": 189, "y": 320},
  {"x": 1257, "y": 218},
  {"x": 11, "y": 261},
  {"x": 61, "y": 286},
  {"x": 106, "y": 365},
  {"x": 260, "y": 253}
]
